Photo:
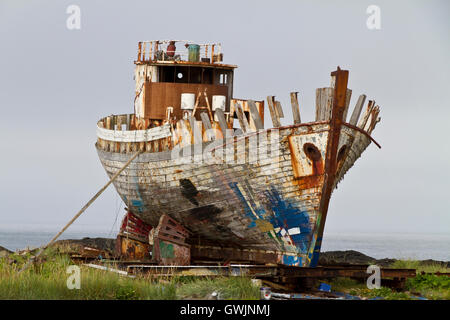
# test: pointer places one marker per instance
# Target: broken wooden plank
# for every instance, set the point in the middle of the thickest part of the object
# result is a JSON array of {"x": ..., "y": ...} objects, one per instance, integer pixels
[
  {"x": 348, "y": 96},
  {"x": 186, "y": 138},
  {"x": 357, "y": 111},
  {"x": 197, "y": 134},
  {"x": 374, "y": 119},
  {"x": 222, "y": 122},
  {"x": 362, "y": 123},
  {"x": 121, "y": 272},
  {"x": 324, "y": 102},
  {"x": 295, "y": 108},
  {"x": 279, "y": 109},
  {"x": 254, "y": 113},
  {"x": 273, "y": 114},
  {"x": 242, "y": 119},
  {"x": 207, "y": 125}
]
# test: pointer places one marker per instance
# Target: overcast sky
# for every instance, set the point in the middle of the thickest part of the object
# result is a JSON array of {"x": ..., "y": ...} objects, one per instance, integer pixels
[{"x": 56, "y": 83}]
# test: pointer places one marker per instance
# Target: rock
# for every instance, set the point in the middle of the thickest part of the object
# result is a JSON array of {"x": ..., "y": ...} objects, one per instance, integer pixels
[
  {"x": 386, "y": 262},
  {"x": 433, "y": 262},
  {"x": 344, "y": 257},
  {"x": 105, "y": 244},
  {"x": 350, "y": 257}
]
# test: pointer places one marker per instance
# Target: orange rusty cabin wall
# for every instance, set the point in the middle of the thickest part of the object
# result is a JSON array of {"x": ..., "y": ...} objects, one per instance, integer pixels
[{"x": 160, "y": 95}]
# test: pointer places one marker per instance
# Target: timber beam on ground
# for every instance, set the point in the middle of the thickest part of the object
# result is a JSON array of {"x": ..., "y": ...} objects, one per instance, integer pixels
[{"x": 357, "y": 271}]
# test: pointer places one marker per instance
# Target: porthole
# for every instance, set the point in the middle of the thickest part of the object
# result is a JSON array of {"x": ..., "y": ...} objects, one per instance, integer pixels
[
  {"x": 312, "y": 152},
  {"x": 341, "y": 153}
]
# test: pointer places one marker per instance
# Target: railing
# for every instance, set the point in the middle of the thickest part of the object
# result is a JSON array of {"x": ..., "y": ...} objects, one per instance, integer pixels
[
  {"x": 126, "y": 133},
  {"x": 157, "y": 50}
]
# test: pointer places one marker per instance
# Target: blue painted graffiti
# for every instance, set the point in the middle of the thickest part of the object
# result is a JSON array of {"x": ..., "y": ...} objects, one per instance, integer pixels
[
  {"x": 292, "y": 260},
  {"x": 287, "y": 216},
  {"x": 282, "y": 215},
  {"x": 316, "y": 253}
]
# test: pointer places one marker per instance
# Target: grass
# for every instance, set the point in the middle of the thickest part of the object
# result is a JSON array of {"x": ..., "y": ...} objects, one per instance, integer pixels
[
  {"x": 48, "y": 280},
  {"x": 227, "y": 287},
  {"x": 419, "y": 266}
]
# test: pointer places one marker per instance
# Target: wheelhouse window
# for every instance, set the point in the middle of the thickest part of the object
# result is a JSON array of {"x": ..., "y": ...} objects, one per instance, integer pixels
[
  {"x": 183, "y": 74},
  {"x": 222, "y": 77}
]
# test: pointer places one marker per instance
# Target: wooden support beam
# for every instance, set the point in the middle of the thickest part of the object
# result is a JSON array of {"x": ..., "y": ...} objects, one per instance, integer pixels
[
  {"x": 254, "y": 113},
  {"x": 357, "y": 111},
  {"x": 114, "y": 177},
  {"x": 337, "y": 110},
  {"x": 273, "y": 114},
  {"x": 295, "y": 108}
]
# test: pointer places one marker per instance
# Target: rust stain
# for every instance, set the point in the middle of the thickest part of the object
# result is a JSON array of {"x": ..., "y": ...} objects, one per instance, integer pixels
[{"x": 314, "y": 180}]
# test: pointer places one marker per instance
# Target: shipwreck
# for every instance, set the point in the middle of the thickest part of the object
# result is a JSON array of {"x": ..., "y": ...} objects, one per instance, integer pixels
[{"x": 204, "y": 181}]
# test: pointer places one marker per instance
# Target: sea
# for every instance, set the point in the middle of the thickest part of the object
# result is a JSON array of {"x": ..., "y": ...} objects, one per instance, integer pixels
[{"x": 416, "y": 246}]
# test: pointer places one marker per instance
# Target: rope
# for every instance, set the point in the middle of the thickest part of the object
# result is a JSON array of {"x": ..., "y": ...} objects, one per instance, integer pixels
[{"x": 82, "y": 209}]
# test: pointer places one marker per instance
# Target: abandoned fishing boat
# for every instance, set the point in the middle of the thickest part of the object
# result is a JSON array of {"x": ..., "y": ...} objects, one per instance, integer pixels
[{"x": 201, "y": 189}]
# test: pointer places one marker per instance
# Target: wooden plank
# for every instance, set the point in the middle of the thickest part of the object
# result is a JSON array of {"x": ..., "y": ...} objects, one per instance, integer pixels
[
  {"x": 374, "y": 119},
  {"x": 279, "y": 109},
  {"x": 363, "y": 121},
  {"x": 295, "y": 108},
  {"x": 327, "y": 103},
  {"x": 318, "y": 96},
  {"x": 273, "y": 114},
  {"x": 184, "y": 133},
  {"x": 348, "y": 96},
  {"x": 324, "y": 102},
  {"x": 357, "y": 111},
  {"x": 222, "y": 122},
  {"x": 242, "y": 119},
  {"x": 207, "y": 125},
  {"x": 255, "y": 115},
  {"x": 128, "y": 121},
  {"x": 197, "y": 134}
]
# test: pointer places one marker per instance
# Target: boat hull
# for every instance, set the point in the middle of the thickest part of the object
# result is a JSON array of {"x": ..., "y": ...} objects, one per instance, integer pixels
[{"x": 268, "y": 201}]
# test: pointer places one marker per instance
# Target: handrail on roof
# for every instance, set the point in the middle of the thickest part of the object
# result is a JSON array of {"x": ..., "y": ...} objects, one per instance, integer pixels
[{"x": 158, "y": 50}]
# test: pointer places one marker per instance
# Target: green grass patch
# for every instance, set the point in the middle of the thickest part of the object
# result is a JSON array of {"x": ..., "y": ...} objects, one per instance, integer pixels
[
  {"x": 48, "y": 280},
  {"x": 430, "y": 286},
  {"x": 227, "y": 288},
  {"x": 420, "y": 266}
]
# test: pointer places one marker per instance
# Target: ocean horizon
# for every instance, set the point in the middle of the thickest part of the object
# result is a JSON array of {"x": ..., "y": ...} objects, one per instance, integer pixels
[{"x": 415, "y": 246}]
